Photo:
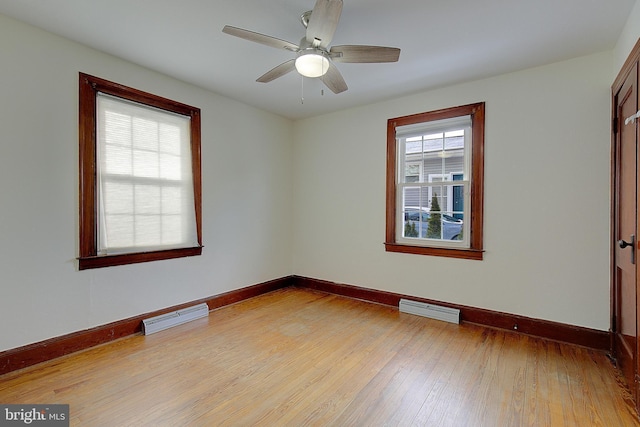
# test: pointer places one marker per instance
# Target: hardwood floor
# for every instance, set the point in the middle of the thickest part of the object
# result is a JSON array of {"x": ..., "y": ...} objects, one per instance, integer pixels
[{"x": 301, "y": 357}]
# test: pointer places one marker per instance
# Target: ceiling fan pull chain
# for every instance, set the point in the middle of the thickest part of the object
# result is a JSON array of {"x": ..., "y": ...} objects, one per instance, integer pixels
[
  {"x": 302, "y": 90},
  {"x": 323, "y": 73}
]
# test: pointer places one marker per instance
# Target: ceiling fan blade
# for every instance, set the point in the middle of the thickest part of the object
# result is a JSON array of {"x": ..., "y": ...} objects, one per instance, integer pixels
[
  {"x": 279, "y": 71},
  {"x": 334, "y": 80},
  {"x": 260, "y": 38},
  {"x": 362, "y": 54},
  {"x": 323, "y": 22}
]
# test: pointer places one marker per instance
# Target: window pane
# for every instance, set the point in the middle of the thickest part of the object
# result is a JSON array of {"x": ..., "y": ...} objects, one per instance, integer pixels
[
  {"x": 172, "y": 200},
  {"x": 412, "y": 223},
  {"x": 119, "y": 233},
  {"x": 117, "y": 128},
  {"x": 453, "y": 226},
  {"x": 412, "y": 172},
  {"x": 458, "y": 199},
  {"x": 436, "y": 198},
  {"x": 117, "y": 160},
  {"x": 118, "y": 198},
  {"x": 169, "y": 139},
  {"x": 148, "y": 230},
  {"x": 172, "y": 229},
  {"x": 145, "y": 164},
  {"x": 145, "y": 134},
  {"x": 147, "y": 199},
  {"x": 415, "y": 197},
  {"x": 170, "y": 166}
]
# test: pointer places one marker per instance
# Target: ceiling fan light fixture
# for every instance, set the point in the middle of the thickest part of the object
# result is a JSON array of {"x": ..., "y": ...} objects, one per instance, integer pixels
[{"x": 312, "y": 64}]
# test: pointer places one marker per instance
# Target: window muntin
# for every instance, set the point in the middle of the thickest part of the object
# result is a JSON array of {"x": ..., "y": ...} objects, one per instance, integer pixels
[
  {"x": 140, "y": 185},
  {"x": 446, "y": 147}
]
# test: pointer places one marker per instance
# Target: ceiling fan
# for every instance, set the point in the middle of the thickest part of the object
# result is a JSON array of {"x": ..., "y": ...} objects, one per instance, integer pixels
[{"x": 314, "y": 56}]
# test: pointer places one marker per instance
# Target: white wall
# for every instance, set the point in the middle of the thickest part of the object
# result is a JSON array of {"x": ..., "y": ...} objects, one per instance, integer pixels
[
  {"x": 546, "y": 197},
  {"x": 627, "y": 39},
  {"x": 246, "y": 171}
]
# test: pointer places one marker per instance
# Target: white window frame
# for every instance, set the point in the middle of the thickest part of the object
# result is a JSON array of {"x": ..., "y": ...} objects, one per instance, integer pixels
[{"x": 439, "y": 126}]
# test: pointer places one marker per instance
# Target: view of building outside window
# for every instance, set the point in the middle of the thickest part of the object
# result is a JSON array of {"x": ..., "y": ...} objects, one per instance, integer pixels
[{"x": 433, "y": 205}]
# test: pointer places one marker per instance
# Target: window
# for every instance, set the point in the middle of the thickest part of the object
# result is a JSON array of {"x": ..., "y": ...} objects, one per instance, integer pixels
[
  {"x": 435, "y": 173},
  {"x": 140, "y": 186}
]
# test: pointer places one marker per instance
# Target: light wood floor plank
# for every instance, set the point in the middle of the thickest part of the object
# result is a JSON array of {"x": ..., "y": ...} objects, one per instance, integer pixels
[{"x": 297, "y": 357}]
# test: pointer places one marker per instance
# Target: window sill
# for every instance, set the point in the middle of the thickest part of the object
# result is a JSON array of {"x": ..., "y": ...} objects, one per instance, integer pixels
[
  {"x": 474, "y": 254},
  {"x": 85, "y": 263}
]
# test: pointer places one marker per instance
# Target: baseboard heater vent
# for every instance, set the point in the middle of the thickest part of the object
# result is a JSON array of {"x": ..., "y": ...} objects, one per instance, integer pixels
[
  {"x": 431, "y": 311},
  {"x": 168, "y": 320}
]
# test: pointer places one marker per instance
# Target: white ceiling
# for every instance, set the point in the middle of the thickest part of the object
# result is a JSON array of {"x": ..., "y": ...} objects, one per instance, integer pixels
[{"x": 442, "y": 41}]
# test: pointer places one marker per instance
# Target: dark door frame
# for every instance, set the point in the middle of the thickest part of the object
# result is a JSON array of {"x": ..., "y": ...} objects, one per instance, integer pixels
[{"x": 616, "y": 123}]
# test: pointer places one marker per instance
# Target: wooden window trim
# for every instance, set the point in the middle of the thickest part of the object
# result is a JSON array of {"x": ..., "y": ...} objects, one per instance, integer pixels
[
  {"x": 475, "y": 250},
  {"x": 89, "y": 87}
]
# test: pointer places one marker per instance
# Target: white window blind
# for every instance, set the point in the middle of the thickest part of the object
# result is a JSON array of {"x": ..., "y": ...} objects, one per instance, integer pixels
[
  {"x": 437, "y": 126},
  {"x": 145, "y": 180}
]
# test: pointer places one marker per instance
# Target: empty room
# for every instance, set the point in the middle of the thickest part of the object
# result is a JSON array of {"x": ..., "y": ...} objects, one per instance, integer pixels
[{"x": 319, "y": 212}]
